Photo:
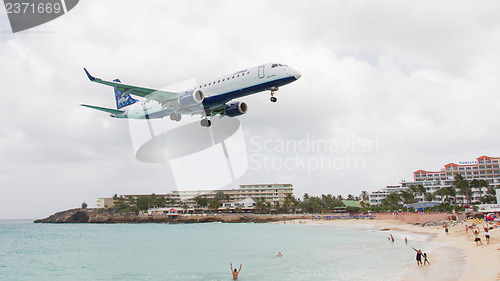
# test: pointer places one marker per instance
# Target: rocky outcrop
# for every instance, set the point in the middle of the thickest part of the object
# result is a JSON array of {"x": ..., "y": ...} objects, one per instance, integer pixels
[
  {"x": 112, "y": 216},
  {"x": 69, "y": 216}
]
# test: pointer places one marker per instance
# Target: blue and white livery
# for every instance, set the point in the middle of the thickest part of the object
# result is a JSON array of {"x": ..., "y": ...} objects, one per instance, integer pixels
[{"x": 210, "y": 98}]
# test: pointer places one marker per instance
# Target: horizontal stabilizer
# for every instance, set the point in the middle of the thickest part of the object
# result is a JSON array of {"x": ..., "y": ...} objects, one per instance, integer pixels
[{"x": 109, "y": 110}]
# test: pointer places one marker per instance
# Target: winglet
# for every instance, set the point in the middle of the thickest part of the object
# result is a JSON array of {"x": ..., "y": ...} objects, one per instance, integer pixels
[{"x": 92, "y": 78}]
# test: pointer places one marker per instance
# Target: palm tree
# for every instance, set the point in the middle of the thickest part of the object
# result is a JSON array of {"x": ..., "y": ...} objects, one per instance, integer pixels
[
  {"x": 222, "y": 196},
  {"x": 429, "y": 196},
  {"x": 463, "y": 186},
  {"x": 364, "y": 196},
  {"x": 214, "y": 204},
  {"x": 476, "y": 184},
  {"x": 446, "y": 193},
  {"x": 452, "y": 192},
  {"x": 408, "y": 196},
  {"x": 439, "y": 192},
  {"x": 261, "y": 205},
  {"x": 491, "y": 198},
  {"x": 483, "y": 183},
  {"x": 392, "y": 200},
  {"x": 306, "y": 196}
]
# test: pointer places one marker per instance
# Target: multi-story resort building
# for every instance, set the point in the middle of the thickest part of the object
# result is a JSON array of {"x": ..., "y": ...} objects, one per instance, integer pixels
[
  {"x": 376, "y": 197},
  {"x": 484, "y": 168},
  {"x": 273, "y": 193}
]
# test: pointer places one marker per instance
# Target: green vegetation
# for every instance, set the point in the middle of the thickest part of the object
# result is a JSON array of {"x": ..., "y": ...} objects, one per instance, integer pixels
[
  {"x": 124, "y": 208},
  {"x": 324, "y": 203}
]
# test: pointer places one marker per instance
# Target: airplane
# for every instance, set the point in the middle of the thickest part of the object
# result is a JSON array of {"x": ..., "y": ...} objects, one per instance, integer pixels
[{"x": 208, "y": 99}]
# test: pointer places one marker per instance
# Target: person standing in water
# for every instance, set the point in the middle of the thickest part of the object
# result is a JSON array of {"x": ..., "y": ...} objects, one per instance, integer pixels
[
  {"x": 425, "y": 259},
  {"x": 419, "y": 256},
  {"x": 406, "y": 240},
  {"x": 234, "y": 272}
]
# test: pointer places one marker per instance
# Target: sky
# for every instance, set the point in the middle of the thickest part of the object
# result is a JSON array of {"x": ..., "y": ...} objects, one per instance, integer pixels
[{"x": 387, "y": 88}]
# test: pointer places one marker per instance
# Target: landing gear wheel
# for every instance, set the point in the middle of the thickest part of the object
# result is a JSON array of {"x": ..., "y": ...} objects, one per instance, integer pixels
[
  {"x": 206, "y": 123},
  {"x": 274, "y": 99},
  {"x": 175, "y": 116}
]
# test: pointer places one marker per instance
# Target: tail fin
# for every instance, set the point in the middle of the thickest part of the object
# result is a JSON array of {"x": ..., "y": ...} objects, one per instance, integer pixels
[{"x": 122, "y": 100}]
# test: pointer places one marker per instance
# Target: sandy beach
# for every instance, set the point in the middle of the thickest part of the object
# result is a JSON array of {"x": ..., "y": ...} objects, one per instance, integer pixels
[{"x": 457, "y": 257}]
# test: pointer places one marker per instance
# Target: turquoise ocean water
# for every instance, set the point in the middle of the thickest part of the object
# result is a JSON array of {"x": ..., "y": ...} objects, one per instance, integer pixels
[{"x": 201, "y": 252}]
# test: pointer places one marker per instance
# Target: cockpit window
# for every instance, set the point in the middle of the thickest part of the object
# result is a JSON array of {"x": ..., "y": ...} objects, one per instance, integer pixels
[{"x": 274, "y": 65}]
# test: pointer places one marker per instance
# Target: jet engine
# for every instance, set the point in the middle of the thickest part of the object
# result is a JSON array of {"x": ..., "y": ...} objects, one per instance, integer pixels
[
  {"x": 236, "y": 109},
  {"x": 191, "y": 98}
]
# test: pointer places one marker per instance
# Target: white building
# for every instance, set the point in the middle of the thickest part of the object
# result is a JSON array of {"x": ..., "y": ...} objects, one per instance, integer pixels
[
  {"x": 245, "y": 204},
  {"x": 376, "y": 197},
  {"x": 274, "y": 193},
  {"x": 165, "y": 211},
  {"x": 483, "y": 168}
]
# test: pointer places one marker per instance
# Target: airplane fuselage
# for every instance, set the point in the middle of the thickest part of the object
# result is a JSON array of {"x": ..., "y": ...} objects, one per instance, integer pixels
[{"x": 219, "y": 91}]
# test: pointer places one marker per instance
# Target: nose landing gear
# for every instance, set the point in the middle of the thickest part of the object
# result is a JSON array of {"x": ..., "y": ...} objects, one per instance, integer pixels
[{"x": 273, "y": 98}]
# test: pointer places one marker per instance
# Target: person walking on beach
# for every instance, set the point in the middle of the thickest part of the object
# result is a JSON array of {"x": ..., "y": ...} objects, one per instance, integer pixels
[
  {"x": 234, "y": 272},
  {"x": 406, "y": 240},
  {"x": 425, "y": 259},
  {"x": 477, "y": 239},
  {"x": 446, "y": 229},
  {"x": 419, "y": 256}
]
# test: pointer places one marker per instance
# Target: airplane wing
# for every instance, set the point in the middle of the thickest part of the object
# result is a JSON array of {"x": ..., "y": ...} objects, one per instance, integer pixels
[
  {"x": 109, "y": 110},
  {"x": 166, "y": 98}
]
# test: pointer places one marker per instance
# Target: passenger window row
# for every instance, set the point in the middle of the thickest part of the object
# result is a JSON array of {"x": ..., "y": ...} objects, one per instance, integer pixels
[{"x": 224, "y": 79}]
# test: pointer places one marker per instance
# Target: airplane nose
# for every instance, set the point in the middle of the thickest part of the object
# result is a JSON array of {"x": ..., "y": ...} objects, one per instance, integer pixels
[{"x": 297, "y": 74}]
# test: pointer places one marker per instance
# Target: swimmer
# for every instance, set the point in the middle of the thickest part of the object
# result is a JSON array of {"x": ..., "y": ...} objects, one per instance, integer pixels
[
  {"x": 234, "y": 272},
  {"x": 279, "y": 255}
]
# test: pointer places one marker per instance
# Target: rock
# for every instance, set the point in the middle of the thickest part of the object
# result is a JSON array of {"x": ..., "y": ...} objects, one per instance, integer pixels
[{"x": 114, "y": 216}]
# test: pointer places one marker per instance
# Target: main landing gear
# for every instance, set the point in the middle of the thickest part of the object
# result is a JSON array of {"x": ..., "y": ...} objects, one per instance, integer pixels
[
  {"x": 206, "y": 123},
  {"x": 273, "y": 98},
  {"x": 175, "y": 116}
]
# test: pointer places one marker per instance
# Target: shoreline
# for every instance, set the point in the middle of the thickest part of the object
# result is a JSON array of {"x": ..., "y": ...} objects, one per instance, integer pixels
[{"x": 455, "y": 256}]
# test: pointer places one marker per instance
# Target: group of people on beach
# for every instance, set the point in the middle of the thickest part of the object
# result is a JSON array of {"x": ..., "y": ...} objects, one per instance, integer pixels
[
  {"x": 476, "y": 230},
  {"x": 420, "y": 254},
  {"x": 419, "y": 257}
]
